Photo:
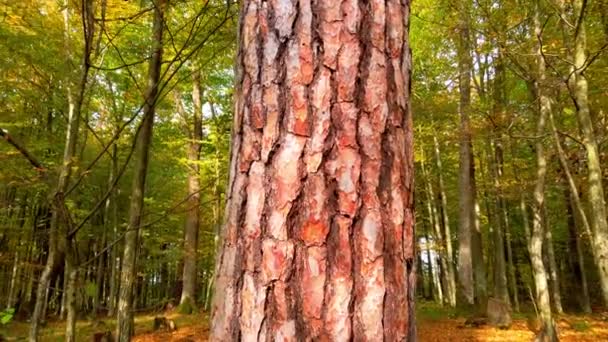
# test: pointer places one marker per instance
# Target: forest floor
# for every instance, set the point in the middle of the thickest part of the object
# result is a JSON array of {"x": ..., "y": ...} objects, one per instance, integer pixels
[{"x": 434, "y": 324}]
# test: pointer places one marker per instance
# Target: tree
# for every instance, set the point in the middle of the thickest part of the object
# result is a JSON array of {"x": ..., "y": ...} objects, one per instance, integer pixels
[
  {"x": 195, "y": 135},
  {"x": 319, "y": 209},
  {"x": 124, "y": 326},
  {"x": 466, "y": 196},
  {"x": 548, "y": 332}
]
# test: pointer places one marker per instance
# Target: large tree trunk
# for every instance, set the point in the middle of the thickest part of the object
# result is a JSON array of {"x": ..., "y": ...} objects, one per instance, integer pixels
[
  {"x": 548, "y": 331},
  {"x": 188, "y": 296},
  {"x": 319, "y": 241},
  {"x": 124, "y": 326},
  {"x": 599, "y": 220},
  {"x": 466, "y": 197}
]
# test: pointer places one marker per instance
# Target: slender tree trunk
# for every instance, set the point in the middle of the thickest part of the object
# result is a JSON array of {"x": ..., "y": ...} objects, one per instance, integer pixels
[
  {"x": 188, "y": 296},
  {"x": 124, "y": 325},
  {"x": 431, "y": 286},
  {"x": 479, "y": 266},
  {"x": 319, "y": 241},
  {"x": 71, "y": 288},
  {"x": 466, "y": 202},
  {"x": 548, "y": 331},
  {"x": 500, "y": 266},
  {"x": 576, "y": 248},
  {"x": 552, "y": 268},
  {"x": 437, "y": 235},
  {"x": 599, "y": 220},
  {"x": 10, "y": 299},
  {"x": 449, "y": 269},
  {"x": 115, "y": 262},
  {"x": 56, "y": 236},
  {"x": 510, "y": 261}
]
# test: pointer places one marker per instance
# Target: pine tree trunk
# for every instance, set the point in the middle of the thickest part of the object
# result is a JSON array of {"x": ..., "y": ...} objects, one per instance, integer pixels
[
  {"x": 599, "y": 219},
  {"x": 124, "y": 324},
  {"x": 319, "y": 241}
]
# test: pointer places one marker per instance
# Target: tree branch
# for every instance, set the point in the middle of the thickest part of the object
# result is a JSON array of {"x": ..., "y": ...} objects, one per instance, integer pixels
[{"x": 4, "y": 134}]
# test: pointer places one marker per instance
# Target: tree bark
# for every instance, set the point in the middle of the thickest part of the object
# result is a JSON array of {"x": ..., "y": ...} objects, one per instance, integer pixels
[
  {"x": 579, "y": 85},
  {"x": 124, "y": 326},
  {"x": 500, "y": 266},
  {"x": 319, "y": 243},
  {"x": 552, "y": 268},
  {"x": 466, "y": 202},
  {"x": 115, "y": 262},
  {"x": 548, "y": 331}
]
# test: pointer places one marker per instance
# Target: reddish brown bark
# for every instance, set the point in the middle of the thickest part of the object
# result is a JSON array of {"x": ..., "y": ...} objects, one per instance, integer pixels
[{"x": 319, "y": 240}]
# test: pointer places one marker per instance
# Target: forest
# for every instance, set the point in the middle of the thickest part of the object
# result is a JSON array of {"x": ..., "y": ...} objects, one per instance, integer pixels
[{"x": 303, "y": 170}]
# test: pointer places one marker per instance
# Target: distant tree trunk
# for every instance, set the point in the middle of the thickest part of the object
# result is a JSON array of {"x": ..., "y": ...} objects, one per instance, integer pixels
[
  {"x": 577, "y": 260},
  {"x": 319, "y": 241},
  {"x": 500, "y": 266},
  {"x": 449, "y": 270},
  {"x": 438, "y": 240},
  {"x": 548, "y": 331},
  {"x": 188, "y": 296},
  {"x": 479, "y": 266},
  {"x": 466, "y": 197},
  {"x": 510, "y": 261},
  {"x": 552, "y": 268},
  {"x": 599, "y": 219},
  {"x": 124, "y": 324},
  {"x": 114, "y": 253},
  {"x": 58, "y": 236},
  {"x": 71, "y": 288}
]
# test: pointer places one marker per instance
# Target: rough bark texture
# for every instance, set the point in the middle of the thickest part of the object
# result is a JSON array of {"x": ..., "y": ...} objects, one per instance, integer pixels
[
  {"x": 318, "y": 242},
  {"x": 466, "y": 200},
  {"x": 124, "y": 326}
]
